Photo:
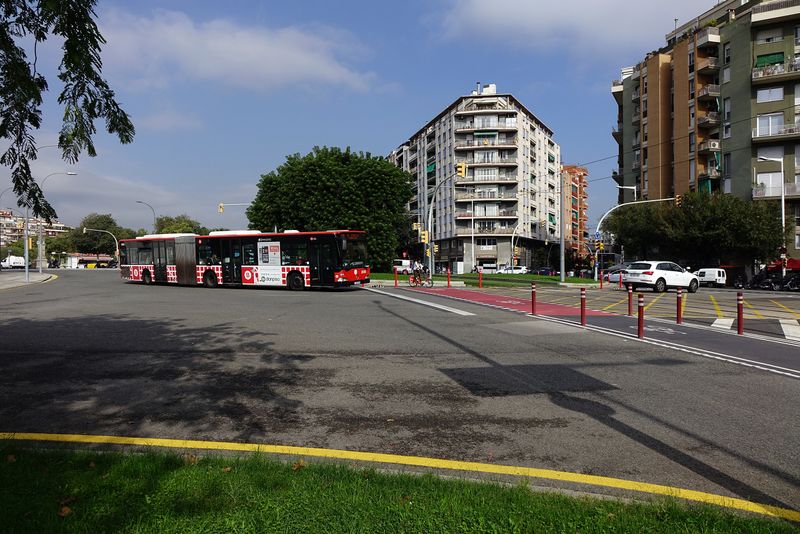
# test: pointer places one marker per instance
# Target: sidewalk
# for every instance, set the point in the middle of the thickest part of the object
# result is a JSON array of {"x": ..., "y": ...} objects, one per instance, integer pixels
[{"x": 11, "y": 278}]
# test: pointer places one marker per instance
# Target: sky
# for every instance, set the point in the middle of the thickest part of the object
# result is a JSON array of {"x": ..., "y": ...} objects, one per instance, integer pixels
[{"x": 221, "y": 92}]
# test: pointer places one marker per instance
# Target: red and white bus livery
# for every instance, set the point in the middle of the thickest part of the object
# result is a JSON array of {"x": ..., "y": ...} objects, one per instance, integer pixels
[{"x": 249, "y": 258}]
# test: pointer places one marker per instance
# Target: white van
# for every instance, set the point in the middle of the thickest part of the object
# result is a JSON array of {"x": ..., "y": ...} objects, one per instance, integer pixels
[
  {"x": 402, "y": 266},
  {"x": 712, "y": 276},
  {"x": 13, "y": 262}
]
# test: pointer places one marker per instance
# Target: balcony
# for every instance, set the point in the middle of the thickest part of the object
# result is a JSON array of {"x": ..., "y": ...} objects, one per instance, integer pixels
[
  {"x": 783, "y": 131},
  {"x": 771, "y": 12},
  {"x": 635, "y": 96},
  {"x": 712, "y": 145},
  {"x": 708, "y": 65},
  {"x": 467, "y": 214},
  {"x": 616, "y": 134},
  {"x": 777, "y": 72},
  {"x": 499, "y": 179},
  {"x": 773, "y": 192},
  {"x": 709, "y": 174},
  {"x": 637, "y": 164},
  {"x": 483, "y": 231},
  {"x": 636, "y": 118},
  {"x": 708, "y": 92},
  {"x": 486, "y": 195},
  {"x": 491, "y": 162},
  {"x": 709, "y": 120},
  {"x": 470, "y": 126},
  {"x": 478, "y": 143},
  {"x": 708, "y": 37}
]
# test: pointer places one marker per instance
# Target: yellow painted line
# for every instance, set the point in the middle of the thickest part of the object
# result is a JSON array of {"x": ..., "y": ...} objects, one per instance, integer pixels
[
  {"x": 420, "y": 461},
  {"x": 661, "y": 296},
  {"x": 52, "y": 277},
  {"x": 684, "y": 300},
  {"x": 755, "y": 311},
  {"x": 720, "y": 315},
  {"x": 775, "y": 302},
  {"x": 615, "y": 304}
]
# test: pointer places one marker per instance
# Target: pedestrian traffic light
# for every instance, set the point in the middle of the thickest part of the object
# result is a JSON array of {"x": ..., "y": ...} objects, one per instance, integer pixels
[
  {"x": 423, "y": 237},
  {"x": 221, "y": 207},
  {"x": 678, "y": 200},
  {"x": 461, "y": 169},
  {"x": 435, "y": 248},
  {"x": 516, "y": 251}
]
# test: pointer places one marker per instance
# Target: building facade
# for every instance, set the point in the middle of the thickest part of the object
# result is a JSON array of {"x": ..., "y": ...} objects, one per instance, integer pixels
[
  {"x": 12, "y": 228},
  {"x": 576, "y": 203},
  {"x": 717, "y": 109},
  {"x": 510, "y": 188}
]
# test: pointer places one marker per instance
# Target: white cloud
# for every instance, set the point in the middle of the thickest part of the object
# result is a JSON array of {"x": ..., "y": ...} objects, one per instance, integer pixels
[
  {"x": 585, "y": 28},
  {"x": 156, "y": 51}
]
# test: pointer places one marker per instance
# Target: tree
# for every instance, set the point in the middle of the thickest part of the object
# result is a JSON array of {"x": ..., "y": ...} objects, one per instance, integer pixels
[
  {"x": 333, "y": 188},
  {"x": 704, "y": 231},
  {"x": 98, "y": 242},
  {"x": 85, "y": 95},
  {"x": 179, "y": 225}
]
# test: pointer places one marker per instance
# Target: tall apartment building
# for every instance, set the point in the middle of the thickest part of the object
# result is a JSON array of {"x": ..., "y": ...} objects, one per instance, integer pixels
[
  {"x": 12, "y": 228},
  {"x": 716, "y": 109},
  {"x": 576, "y": 196},
  {"x": 511, "y": 188}
]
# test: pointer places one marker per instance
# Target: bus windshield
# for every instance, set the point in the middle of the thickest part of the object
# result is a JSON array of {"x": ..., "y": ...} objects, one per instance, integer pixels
[{"x": 353, "y": 249}]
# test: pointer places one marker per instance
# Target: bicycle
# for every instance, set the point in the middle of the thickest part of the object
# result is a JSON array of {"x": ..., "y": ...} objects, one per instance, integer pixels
[{"x": 417, "y": 281}]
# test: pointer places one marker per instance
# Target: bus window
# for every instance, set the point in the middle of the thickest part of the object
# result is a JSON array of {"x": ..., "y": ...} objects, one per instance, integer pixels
[
  {"x": 208, "y": 253},
  {"x": 145, "y": 256},
  {"x": 294, "y": 252},
  {"x": 250, "y": 254},
  {"x": 170, "y": 252},
  {"x": 123, "y": 255},
  {"x": 353, "y": 249}
]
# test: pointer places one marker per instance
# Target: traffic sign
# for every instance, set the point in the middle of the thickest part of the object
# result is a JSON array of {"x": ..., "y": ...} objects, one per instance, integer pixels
[{"x": 597, "y": 235}]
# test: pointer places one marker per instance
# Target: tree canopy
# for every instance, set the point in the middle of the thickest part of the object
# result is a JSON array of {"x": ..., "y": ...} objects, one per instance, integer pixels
[
  {"x": 85, "y": 95},
  {"x": 705, "y": 230},
  {"x": 179, "y": 224},
  {"x": 334, "y": 188},
  {"x": 98, "y": 242}
]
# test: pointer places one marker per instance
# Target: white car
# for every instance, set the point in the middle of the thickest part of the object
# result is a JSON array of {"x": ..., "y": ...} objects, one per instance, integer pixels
[
  {"x": 519, "y": 269},
  {"x": 660, "y": 276},
  {"x": 613, "y": 276},
  {"x": 712, "y": 276}
]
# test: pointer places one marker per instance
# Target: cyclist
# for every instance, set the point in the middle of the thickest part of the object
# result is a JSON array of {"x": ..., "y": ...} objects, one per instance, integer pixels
[{"x": 417, "y": 272}]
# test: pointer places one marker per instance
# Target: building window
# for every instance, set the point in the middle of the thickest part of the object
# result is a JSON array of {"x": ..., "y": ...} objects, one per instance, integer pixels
[
  {"x": 691, "y": 142},
  {"x": 691, "y": 117},
  {"x": 726, "y": 53},
  {"x": 726, "y": 108},
  {"x": 769, "y": 124},
  {"x": 691, "y": 89},
  {"x": 692, "y": 170},
  {"x": 773, "y": 35},
  {"x": 726, "y": 75},
  {"x": 726, "y": 166},
  {"x": 769, "y": 59},
  {"x": 770, "y": 152},
  {"x": 769, "y": 94},
  {"x": 726, "y": 131},
  {"x": 797, "y": 35},
  {"x": 691, "y": 61}
]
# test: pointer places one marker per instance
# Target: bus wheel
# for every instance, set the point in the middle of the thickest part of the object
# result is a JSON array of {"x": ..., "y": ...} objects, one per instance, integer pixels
[
  {"x": 146, "y": 278},
  {"x": 209, "y": 279},
  {"x": 295, "y": 281}
]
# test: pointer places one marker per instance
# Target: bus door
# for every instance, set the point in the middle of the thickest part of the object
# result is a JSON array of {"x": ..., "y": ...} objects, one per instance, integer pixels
[
  {"x": 232, "y": 261},
  {"x": 159, "y": 261},
  {"x": 322, "y": 256}
]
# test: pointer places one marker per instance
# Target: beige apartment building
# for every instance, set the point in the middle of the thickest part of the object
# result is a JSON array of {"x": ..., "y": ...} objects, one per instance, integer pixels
[
  {"x": 717, "y": 109},
  {"x": 510, "y": 190},
  {"x": 576, "y": 196}
]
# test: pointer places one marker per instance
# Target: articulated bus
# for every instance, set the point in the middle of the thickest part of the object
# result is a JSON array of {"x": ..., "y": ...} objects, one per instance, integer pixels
[{"x": 297, "y": 260}]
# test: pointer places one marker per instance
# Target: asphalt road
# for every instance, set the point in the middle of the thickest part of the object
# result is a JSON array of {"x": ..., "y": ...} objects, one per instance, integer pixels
[{"x": 360, "y": 370}]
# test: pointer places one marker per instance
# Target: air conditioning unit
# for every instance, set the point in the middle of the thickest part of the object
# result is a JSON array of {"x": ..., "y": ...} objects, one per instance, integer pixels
[{"x": 713, "y": 143}]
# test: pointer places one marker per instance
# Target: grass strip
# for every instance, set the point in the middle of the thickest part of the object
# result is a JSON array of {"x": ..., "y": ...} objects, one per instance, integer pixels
[{"x": 89, "y": 491}]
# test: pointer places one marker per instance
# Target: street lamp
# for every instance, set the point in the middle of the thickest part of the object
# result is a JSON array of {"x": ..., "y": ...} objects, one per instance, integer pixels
[
  {"x": 632, "y": 187},
  {"x": 154, "y": 214},
  {"x": 116, "y": 243},
  {"x": 783, "y": 207},
  {"x": 40, "y": 239}
]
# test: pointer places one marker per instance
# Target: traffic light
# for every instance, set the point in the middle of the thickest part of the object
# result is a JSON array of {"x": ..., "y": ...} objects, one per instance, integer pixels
[
  {"x": 221, "y": 207},
  {"x": 428, "y": 252},
  {"x": 461, "y": 169},
  {"x": 678, "y": 200},
  {"x": 435, "y": 248},
  {"x": 423, "y": 236},
  {"x": 602, "y": 246},
  {"x": 516, "y": 251},
  {"x": 415, "y": 226}
]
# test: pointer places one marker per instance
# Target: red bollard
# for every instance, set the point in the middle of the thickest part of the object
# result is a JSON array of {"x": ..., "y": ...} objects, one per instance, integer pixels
[
  {"x": 480, "y": 279},
  {"x": 448, "y": 278},
  {"x": 601, "y": 278},
  {"x": 533, "y": 298},
  {"x": 679, "y": 315},
  {"x": 739, "y": 313},
  {"x": 641, "y": 316},
  {"x": 620, "y": 279},
  {"x": 583, "y": 306},
  {"x": 395, "y": 277},
  {"x": 630, "y": 300}
]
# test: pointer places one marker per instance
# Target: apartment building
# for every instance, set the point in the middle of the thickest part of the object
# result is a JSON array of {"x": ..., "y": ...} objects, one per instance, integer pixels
[
  {"x": 12, "y": 228},
  {"x": 576, "y": 196},
  {"x": 717, "y": 109},
  {"x": 510, "y": 190}
]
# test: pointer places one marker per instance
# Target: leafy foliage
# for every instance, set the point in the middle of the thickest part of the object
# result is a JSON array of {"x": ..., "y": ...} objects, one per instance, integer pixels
[
  {"x": 333, "y": 188},
  {"x": 705, "y": 230},
  {"x": 85, "y": 95},
  {"x": 98, "y": 242},
  {"x": 178, "y": 225}
]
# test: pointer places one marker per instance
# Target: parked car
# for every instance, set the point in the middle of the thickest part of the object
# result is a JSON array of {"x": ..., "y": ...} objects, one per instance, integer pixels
[
  {"x": 712, "y": 276},
  {"x": 13, "y": 262},
  {"x": 545, "y": 271},
  {"x": 402, "y": 266},
  {"x": 660, "y": 276},
  {"x": 613, "y": 275},
  {"x": 518, "y": 269}
]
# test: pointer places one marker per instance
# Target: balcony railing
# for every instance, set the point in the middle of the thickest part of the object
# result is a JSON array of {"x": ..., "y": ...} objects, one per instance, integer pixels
[
  {"x": 776, "y": 69},
  {"x": 708, "y": 36},
  {"x": 488, "y": 161},
  {"x": 762, "y": 191},
  {"x": 709, "y": 119},
  {"x": 711, "y": 90},
  {"x": 478, "y": 230},
  {"x": 499, "y": 213},
  {"x": 707, "y": 174},
  {"x": 486, "y": 142},
  {"x": 777, "y": 131},
  {"x": 772, "y": 6},
  {"x": 708, "y": 64},
  {"x": 487, "y": 195},
  {"x": 491, "y": 126}
]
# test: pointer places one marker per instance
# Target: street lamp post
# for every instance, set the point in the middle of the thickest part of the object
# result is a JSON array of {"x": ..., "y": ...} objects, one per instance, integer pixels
[
  {"x": 783, "y": 208},
  {"x": 154, "y": 214},
  {"x": 40, "y": 238},
  {"x": 116, "y": 242}
]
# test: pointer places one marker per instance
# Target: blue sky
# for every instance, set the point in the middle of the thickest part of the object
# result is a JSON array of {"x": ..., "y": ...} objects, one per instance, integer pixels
[{"x": 221, "y": 92}]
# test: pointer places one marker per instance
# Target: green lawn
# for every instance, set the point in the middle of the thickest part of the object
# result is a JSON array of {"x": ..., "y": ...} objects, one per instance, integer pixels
[{"x": 66, "y": 491}]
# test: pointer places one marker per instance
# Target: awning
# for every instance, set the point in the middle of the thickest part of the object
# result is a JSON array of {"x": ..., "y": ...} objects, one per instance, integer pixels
[{"x": 769, "y": 59}]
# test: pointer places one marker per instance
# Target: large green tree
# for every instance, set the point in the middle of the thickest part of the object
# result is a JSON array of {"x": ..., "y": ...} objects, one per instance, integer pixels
[
  {"x": 704, "y": 231},
  {"x": 85, "y": 96},
  {"x": 334, "y": 188},
  {"x": 98, "y": 242},
  {"x": 179, "y": 224}
]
